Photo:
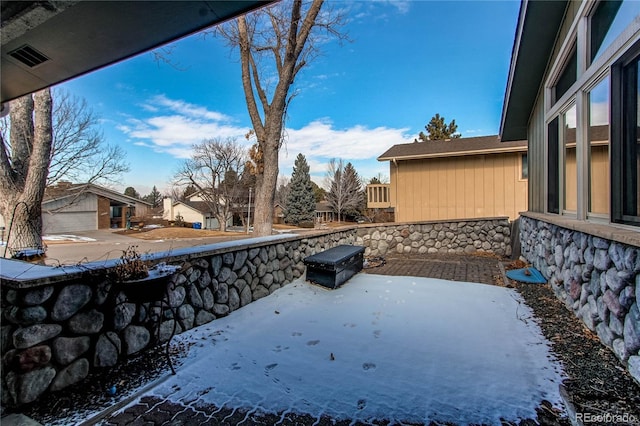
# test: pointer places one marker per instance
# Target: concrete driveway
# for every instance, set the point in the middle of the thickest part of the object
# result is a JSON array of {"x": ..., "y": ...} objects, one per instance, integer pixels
[{"x": 110, "y": 245}]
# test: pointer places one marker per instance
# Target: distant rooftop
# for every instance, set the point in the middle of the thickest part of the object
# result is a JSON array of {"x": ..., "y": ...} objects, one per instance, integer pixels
[{"x": 452, "y": 148}]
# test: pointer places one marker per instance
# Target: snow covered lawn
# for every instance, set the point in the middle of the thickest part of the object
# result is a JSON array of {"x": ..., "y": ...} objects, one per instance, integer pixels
[
  {"x": 68, "y": 238},
  {"x": 400, "y": 348}
]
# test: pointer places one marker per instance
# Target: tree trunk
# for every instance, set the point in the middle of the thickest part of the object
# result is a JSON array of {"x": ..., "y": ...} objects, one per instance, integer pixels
[
  {"x": 266, "y": 187},
  {"x": 222, "y": 221},
  {"x": 289, "y": 61},
  {"x": 22, "y": 207}
]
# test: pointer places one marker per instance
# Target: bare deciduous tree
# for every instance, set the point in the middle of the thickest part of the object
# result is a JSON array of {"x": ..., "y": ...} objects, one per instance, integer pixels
[
  {"x": 275, "y": 44},
  {"x": 213, "y": 170},
  {"x": 75, "y": 150},
  {"x": 345, "y": 190},
  {"x": 24, "y": 166},
  {"x": 80, "y": 153},
  {"x": 282, "y": 191}
]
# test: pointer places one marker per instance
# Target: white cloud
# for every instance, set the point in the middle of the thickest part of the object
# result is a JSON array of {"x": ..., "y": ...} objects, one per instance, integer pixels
[
  {"x": 368, "y": 10},
  {"x": 175, "y": 126},
  {"x": 402, "y": 6},
  {"x": 319, "y": 141},
  {"x": 188, "y": 109}
]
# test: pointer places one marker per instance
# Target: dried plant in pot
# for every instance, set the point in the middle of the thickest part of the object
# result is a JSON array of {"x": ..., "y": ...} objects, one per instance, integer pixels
[{"x": 140, "y": 281}]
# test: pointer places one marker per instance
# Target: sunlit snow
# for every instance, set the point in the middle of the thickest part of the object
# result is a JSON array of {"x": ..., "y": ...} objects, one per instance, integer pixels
[
  {"x": 67, "y": 237},
  {"x": 398, "y": 348}
]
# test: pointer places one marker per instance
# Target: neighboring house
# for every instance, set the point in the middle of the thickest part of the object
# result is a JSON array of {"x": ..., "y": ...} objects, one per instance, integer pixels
[
  {"x": 454, "y": 179},
  {"x": 191, "y": 210},
  {"x": 278, "y": 214},
  {"x": 71, "y": 207},
  {"x": 324, "y": 212}
]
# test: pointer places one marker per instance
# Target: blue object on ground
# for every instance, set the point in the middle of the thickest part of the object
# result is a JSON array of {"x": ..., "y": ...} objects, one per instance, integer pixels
[
  {"x": 197, "y": 225},
  {"x": 526, "y": 275}
]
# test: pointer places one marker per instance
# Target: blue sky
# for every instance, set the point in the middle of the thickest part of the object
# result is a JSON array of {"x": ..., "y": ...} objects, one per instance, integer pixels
[{"x": 407, "y": 61}]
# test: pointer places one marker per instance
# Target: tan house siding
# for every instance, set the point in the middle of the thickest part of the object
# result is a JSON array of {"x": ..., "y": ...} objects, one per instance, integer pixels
[
  {"x": 458, "y": 187},
  {"x": 600, "y": 172}
]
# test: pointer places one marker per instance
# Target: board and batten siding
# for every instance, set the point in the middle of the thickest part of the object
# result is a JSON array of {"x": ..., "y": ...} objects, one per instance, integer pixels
[
  {"x": 474, "y": 186},
  {"x": 537, "y": 157}
]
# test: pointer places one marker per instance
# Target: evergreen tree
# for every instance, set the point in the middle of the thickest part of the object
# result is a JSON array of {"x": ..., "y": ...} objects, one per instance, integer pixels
[
  {"x": 356, "y": 195},
  {"x": 301, "y": 202},
  {"x": 282, "y": 193},
  {"x": 131, "y": 192},
  {"x": 188, "y": 191},
  {"x": 438, "y": 130},
  {"x": 320, "y": 193},
  {"x": 154, "y": 198}
]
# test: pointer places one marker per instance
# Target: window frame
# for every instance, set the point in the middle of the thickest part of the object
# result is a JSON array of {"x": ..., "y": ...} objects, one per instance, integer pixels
[
  {"x": 588, "y": 76},
  {"x": 618, "y": 135},
  {"x": 593, "y": 216},
  {"x": 524, "y": 158}
]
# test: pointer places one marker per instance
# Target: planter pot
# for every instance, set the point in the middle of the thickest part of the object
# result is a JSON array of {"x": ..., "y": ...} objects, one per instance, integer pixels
[{"x": 152, "y": 288}]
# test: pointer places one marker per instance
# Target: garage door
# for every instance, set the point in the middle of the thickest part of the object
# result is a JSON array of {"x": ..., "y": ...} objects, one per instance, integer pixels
[
  {"x": 66, "y": 222},
  {"x": 211, "y": 223}
]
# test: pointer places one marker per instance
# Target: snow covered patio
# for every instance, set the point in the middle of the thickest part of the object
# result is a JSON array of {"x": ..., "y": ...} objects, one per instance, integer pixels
[{"x": 404, "y": 349}]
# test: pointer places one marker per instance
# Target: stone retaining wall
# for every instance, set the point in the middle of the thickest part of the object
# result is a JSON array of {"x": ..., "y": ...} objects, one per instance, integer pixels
[
  {"x": 59, "y": 325},
  {"x": 491, "y": 235},
  {"x": 596, "y": 278},
  {"x": 53, "y": 335}
]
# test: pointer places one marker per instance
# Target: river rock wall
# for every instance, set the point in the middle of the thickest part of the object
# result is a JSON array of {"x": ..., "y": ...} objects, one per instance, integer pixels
[
  {"x": 54, "y": 332},
  {"x": 53, "y": 335},
  {"x": 598, "y": 279},
  {"x": 492, "y": 235}
]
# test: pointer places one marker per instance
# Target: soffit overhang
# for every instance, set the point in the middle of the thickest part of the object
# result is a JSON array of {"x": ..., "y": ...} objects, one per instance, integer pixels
[
  {"x": 44, "y": 43},
  {"x": 538, "y": 26}
]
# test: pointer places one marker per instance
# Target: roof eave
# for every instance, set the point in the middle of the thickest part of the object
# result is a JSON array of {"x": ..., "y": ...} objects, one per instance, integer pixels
[
  {"x": 77, "y": 37},
  {"x": 521, "y": 148},
  {"x": 536, "y": 34}
]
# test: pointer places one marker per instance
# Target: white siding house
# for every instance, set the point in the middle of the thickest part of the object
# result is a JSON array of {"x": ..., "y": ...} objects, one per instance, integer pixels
[{"x": 192, "y": 210}]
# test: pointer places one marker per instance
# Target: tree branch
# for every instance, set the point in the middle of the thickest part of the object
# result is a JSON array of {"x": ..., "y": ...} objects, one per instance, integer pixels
[{"x": 245, "y": 58}]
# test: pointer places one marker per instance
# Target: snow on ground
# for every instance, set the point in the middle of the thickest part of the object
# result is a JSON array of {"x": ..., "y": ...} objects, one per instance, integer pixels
[
  {"x": 63, "y": 237},
  {"x": 400, "y": 348}
]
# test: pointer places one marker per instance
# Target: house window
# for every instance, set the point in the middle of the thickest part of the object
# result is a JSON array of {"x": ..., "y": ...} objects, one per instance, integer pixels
[
  {"x": 553, "y": 178},
  {"x": 593, "y": 154},
  {"x": 568, "y": 76},
  {"x": 570, "y": 176},
  {"x": 524, "y": 167},
  {"x": 625, "y": 150},
  {"x": 598, "y": 136},
  {"x": 608, "y": 20},
  {"x": 116, "y": 211}
]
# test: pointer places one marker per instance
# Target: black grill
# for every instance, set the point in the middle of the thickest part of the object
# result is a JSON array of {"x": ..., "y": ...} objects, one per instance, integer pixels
[{"x": 28, "y": 56}]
